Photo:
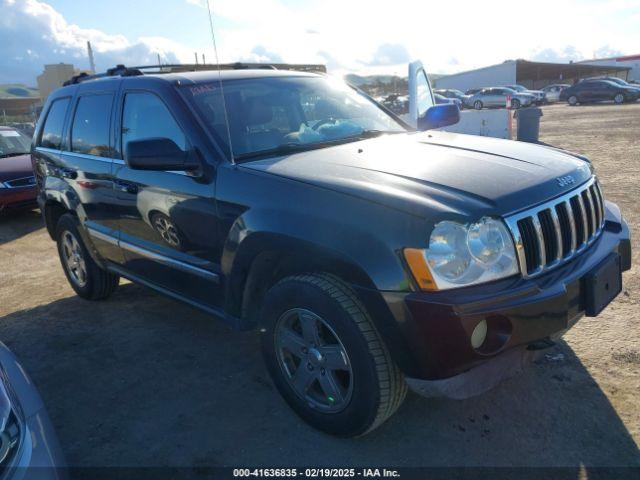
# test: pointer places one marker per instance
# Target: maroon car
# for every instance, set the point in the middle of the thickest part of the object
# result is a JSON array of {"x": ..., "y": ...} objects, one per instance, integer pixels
[{"x": 17, "y": 182}]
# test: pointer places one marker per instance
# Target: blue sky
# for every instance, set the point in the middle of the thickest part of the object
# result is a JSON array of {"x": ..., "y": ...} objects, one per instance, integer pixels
[{"x": 359, "y": 36}]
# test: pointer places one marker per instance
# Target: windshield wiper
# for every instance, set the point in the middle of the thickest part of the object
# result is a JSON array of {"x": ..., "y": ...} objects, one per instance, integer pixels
[
  {"x": 281, "y": 149},
  {"x": 13, "y": 154},
  {"x": 372, "y": 133},
  {"x": 293, "y": 147}
]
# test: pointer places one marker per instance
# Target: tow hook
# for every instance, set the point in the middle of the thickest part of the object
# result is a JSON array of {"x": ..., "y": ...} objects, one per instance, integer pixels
[{"x": 541, "y": 344}]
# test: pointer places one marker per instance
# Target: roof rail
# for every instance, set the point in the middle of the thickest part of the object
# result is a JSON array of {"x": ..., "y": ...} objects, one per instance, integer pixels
[
  {"x": 117, "y": 71},
  {"x": 122, "y": 71}
]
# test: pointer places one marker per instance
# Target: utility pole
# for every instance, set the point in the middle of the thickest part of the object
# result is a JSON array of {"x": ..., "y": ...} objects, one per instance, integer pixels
[
  {"x": 203, "y": 62},
  {"x": 196, "y": 55},
  {"x": 159, "y": 62},
  {"x": 92, "y": 64}
]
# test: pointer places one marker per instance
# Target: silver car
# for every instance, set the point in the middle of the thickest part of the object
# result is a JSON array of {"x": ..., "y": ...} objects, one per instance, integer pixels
[
  {"x": 552, "y": 92},
  {"x": 29, "y": 448},
  {"x": 497, "y": 97},
  {"x": 540, "y": 96}
]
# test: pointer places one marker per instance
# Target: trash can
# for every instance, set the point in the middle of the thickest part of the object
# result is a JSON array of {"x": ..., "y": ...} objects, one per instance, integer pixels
[{"x": 528, "y": 124}]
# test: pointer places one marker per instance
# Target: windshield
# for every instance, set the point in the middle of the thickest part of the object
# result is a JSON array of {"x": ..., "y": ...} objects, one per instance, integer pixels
[
  {"x": 13, "y": 143},
  {"x": 517, "y": 88},
  {"x": 290, "y": 112}
]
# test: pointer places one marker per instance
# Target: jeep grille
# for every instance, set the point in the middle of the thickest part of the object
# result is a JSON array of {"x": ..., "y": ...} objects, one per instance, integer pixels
[{"x": 554, "y": 232}]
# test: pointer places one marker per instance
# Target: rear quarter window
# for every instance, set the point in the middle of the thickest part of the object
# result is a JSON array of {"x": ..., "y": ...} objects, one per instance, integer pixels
[{"x": 54, "y": 123}]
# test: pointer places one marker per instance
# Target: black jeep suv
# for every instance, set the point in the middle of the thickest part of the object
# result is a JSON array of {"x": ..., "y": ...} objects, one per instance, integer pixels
[{"x": 369, "y": 256}]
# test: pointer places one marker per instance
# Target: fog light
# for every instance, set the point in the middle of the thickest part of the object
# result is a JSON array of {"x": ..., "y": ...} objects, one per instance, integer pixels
[{"x": 479, "y": 334}]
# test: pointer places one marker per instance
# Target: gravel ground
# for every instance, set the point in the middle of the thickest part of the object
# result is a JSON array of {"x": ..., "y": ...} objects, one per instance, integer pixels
[{"x": 141, "y": 380}]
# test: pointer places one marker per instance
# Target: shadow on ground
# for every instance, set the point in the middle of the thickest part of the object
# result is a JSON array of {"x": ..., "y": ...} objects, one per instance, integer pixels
[
  {"x": 140, "y": 380},
  {"x": 18, "y": 224}
]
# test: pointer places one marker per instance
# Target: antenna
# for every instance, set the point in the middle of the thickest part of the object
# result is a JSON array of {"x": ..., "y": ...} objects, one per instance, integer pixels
[{"x": 224, "y": 102}]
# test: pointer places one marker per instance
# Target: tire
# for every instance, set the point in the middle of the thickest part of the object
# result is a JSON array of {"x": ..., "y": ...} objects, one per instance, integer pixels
[
  {"x": 572, "y": 100},
  {"x": 515, "y": 104},
  {"x": 477, "y": 105},
  {"x": 86, "y": 278},
  {"x": 370, "y": 388},
  {"x": 619, "y": 98}
]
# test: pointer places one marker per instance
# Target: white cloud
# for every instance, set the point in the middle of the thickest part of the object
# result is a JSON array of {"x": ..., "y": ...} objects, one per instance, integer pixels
[
  {"x": 390, "y": 54},
  {"x": 348, "y": 34},
  {"x": 33, "y": 33}
]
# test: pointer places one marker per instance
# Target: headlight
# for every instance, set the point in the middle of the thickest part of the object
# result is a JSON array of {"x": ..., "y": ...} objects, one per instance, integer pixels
[{"x": 460, "y": 255}]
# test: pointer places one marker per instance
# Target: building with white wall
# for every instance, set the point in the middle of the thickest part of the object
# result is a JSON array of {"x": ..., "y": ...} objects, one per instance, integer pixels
[
  {"x": 532, "y": 75},
  {"x": 630, "y": 61}
]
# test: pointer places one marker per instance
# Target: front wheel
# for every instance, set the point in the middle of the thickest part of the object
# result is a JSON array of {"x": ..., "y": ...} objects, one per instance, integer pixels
[
  {"x": 477, "y": 105},
  {"x": 573, "y": 100},
  {"x": 86, "y": 277},
  {"x": 619, "y": 98},
  {"x": 515, "y": 103},
  {"x": 326, "y": 357}
]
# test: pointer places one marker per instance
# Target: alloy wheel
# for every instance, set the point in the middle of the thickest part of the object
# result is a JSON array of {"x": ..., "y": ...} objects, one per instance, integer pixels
[
  {"x": 313, "y": 360},
  {"x": 619, "y": 98},
  {"x": 74, "y": 259}
]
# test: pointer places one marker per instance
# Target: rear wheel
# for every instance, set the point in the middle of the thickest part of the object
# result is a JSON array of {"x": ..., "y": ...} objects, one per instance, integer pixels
[
  {"x": 515, "y": 103},
  {"x": 86, "y": 278},
  {"x": 477, "y": 105},
  {"x": 619, "y": 98},
  {"x": 326, "y": 357},
  {"x": 573, "y": 100}
]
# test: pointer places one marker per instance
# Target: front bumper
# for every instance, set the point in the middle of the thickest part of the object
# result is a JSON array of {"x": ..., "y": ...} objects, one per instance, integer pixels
[
  {"x": 437, "y": 326},
  {"x": 17, "y": 198}
]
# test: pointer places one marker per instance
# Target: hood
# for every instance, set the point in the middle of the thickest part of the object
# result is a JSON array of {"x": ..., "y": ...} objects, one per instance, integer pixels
[
  {"x": 15, "y": 167},
  {"x": 436, "y": 172}
]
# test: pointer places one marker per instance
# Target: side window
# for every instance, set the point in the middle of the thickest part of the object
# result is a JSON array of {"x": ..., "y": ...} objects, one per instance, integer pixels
[
  {"x": 90, "y": 128},
  {"x": 52, "y": 130},
  {"x": 425, "y": 99},
  {"x": 145, "y": 116}
]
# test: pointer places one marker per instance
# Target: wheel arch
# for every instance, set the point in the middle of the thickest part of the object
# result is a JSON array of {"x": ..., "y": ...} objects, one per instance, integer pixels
[{"x": 263, "y": 259}]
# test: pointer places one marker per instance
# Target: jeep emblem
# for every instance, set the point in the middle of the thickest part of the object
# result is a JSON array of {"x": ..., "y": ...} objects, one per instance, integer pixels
[{"x": 566, "y": 180}]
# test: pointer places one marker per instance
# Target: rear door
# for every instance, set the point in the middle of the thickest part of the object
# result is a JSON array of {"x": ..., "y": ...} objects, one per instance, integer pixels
[{"x": 167, "y": 220}]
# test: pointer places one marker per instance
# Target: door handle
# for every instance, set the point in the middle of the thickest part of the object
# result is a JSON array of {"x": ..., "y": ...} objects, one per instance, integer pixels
[
  {"x": 126, "y": 187},
  {"x": 68, "y": 173}
]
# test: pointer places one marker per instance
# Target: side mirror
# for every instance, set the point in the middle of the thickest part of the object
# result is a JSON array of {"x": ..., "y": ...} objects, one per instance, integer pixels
[
  {"x": 160, "y": 154},
  {"x": 439, "y": 116}
]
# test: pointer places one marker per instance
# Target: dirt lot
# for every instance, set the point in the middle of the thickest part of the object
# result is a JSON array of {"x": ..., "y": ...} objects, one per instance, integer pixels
[{"x": 141, "y": 380}]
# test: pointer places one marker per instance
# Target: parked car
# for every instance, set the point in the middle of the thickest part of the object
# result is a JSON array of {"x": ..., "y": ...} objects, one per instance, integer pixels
[
  {"x": 398, "y": 104},
  {"x": 552, "y": 92},
  {"x": 440, "y": 100},
  {"x": 454, "y": 94},
  {"x": 17, "y": 182},
  {"x": 539, "y": 95},
  {"x": 370, "y": 257},
  {"x": 29, "y": 448},
  {"x": 590, "y": 91},
  {"x": 496, "y": 97},
  {"x": 619, "y": 81}
]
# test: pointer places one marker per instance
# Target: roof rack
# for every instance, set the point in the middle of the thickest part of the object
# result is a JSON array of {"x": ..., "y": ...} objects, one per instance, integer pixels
[{"x": 122, "y": 71}]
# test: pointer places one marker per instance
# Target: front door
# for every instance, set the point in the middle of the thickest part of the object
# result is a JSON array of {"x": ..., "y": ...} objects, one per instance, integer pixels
[{"x": 167, "y": 220}]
